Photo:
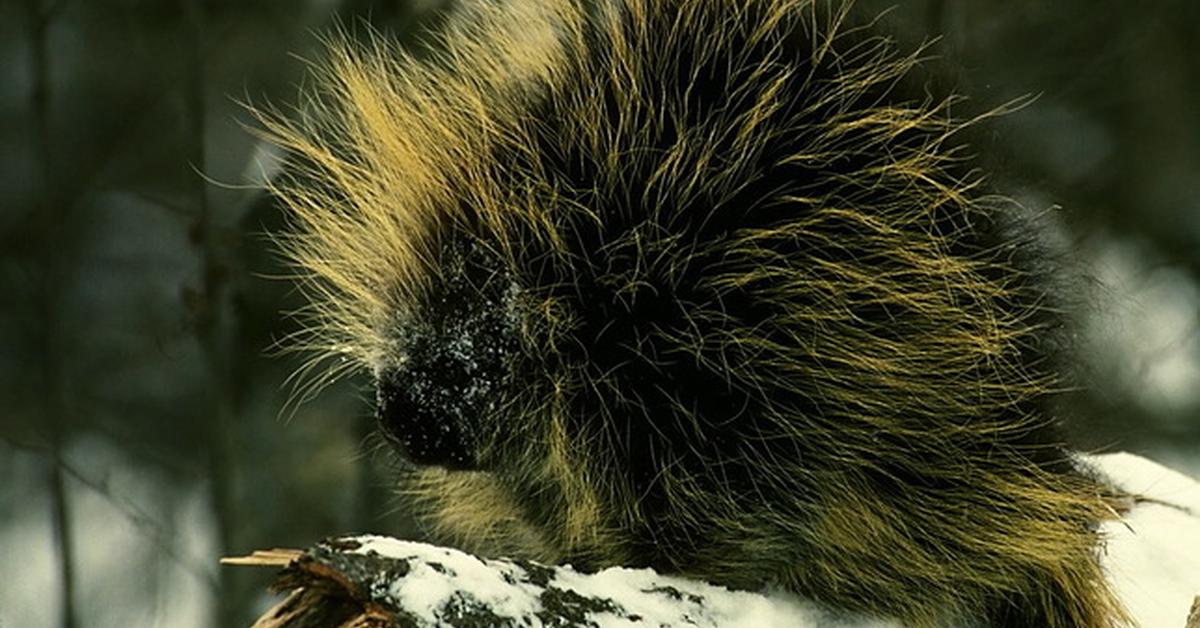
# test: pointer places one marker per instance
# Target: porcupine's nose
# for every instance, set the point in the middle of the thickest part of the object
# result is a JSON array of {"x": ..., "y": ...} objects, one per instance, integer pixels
[
  {"x": 423, "y": 417},
  {"x": 457, "y": 354}
]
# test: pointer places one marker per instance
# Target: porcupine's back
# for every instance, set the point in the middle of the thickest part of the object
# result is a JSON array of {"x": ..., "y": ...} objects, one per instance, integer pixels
[{"x": 706, "y": 285}]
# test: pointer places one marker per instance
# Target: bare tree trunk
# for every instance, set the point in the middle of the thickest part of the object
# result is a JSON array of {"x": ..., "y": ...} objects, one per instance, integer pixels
[
  {"x": 49, "y": 214},
  {"x": 62, "y": 532},
  {"x": 208, "y": 312}
]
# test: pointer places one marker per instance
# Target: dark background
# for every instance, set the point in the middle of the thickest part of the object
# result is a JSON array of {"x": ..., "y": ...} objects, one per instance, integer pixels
[{"x": 146, "y": 428}]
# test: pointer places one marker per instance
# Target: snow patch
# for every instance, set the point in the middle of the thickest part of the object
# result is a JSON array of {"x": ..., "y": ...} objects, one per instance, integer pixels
[
  {"x": 439, "y": 575},
  {"x": 612, "y": 598},
  {"x": 1152, "y": 556}
]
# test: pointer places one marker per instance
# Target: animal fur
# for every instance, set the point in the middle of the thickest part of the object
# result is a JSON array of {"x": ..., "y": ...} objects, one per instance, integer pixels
[{"x": 703, "y": 285}]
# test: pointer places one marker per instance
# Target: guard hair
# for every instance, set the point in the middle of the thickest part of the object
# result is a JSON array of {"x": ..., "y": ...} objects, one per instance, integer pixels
[{"x": 710, "y": 286}]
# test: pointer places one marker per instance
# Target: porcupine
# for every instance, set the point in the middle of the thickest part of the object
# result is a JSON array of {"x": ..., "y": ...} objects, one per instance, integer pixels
[{"x": 710, "y": 286}]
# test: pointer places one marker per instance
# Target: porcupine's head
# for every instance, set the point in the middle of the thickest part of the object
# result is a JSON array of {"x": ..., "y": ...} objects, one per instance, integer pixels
[{"x": 695, "y": 284}]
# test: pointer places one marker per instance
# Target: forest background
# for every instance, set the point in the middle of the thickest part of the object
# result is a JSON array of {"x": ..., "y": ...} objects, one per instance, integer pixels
[{"x": 146, "y": 428}]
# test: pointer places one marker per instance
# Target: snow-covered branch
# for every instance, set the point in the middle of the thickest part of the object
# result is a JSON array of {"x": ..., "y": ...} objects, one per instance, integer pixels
[{"x": 1152, "y": 558}]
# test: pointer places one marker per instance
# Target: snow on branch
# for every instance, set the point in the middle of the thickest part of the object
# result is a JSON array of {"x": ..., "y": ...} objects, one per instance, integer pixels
[
  {"x": 1151, "y": 556},
  {"x": 380, "y": 582}
]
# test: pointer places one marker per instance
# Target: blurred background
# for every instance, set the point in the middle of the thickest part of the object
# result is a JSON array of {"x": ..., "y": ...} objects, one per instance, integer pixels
[{"x": 144, "y": 423}]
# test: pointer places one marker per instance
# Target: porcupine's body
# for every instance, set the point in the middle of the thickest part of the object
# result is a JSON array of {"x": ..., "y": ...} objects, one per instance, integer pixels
[{"x": 700, "y": 285}]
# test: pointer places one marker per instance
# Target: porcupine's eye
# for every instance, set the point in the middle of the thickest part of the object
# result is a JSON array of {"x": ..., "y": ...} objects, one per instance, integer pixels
[{"x": 456, "y": 355}]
